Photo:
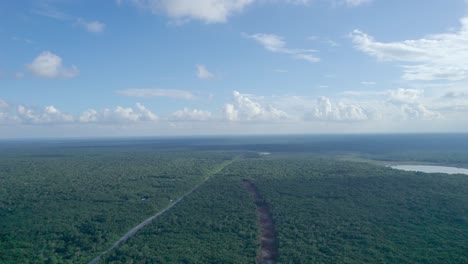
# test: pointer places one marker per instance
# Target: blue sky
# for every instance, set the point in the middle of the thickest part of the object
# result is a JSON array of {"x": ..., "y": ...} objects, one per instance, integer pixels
[{"x": 185, "y": 67}]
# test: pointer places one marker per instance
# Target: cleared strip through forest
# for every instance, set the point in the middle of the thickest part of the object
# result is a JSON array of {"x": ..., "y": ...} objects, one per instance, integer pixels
[
  {"x": 152, "y": 218},
  {"x": 268, "y": 249}
]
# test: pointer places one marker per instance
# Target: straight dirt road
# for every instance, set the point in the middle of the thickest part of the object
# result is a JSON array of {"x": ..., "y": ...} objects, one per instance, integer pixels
[{"x": 152, "y": 218}]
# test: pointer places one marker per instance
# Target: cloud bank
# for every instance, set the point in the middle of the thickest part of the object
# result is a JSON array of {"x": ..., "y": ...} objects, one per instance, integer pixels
[
  {"x": 435, "y": 57},
  {"x": 156, "y": 92}
]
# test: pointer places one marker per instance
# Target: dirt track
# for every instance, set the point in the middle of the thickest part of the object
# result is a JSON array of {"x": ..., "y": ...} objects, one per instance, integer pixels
[
  {"x": 157, "y": 215},
  {"x": 268, "y": 250}
]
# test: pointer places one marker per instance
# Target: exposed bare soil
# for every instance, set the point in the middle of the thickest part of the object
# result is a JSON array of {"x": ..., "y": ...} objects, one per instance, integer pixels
[{"x": 268, "y": 249}]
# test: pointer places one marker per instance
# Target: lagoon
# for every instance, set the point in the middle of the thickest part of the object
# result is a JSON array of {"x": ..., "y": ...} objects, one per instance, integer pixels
[{"x": 431, "y": 169}]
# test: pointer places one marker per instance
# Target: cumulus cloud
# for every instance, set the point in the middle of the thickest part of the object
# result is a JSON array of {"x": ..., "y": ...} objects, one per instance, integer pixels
[
  {"x": 402, "y": 95},
  {"x": 5, "y": 117},
  {"x": 203, "y": 73},
  {"x": 246, "y": 108},
  {"x": 276, "y": 44},
  {"x": 191, "y": 115},
  {"x": 3, "y": 104},
  {"x": 48, "y": 115},
  {"x": 145, "y": 114},
  {"x": 230, "y": 112},
  {"x": 49, "y": 65},
  {"x": 435, "y": 57},
  {"x": 409, "y": 103},
  {"x": 419, "y": 112},
  {"x": 118, "y": 115},
  {"x": 209, "y": 11},
  {"x": 327, "y": 111},
  {"x": 91, "y": 26},
  {"x": 144, "y": 93}
]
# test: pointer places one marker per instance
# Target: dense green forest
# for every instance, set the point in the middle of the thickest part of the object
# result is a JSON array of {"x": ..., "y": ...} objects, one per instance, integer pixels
[
  {"x": 216, "y": 225},
  {"x": 66, "y": 202},
  {"x": 64, "y": 206},
  {"x": 325, "y": 211},
  {"x": 342, "y": 212}
]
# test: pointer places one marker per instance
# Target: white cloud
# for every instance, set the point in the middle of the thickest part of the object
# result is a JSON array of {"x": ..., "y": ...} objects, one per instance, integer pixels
[
  {"x": 3, "y": 104},
  {"x": 49, "y": 65},
  {"x": 435, "y": 57},
  {"x": 191, "y": 115},
  {"x": 89, "y": 116},
  {"x": 178, "y": 94},
  {"x": 276, "y": 44},
  {"x": 454, "y": 94},
  {"x": 325, "y": 110},
  {"x": 45, "y": 8},
  {"x": 354, "y": 3},
  {"x": 48, "y": 115},
  {"x": 332, "y": 43},
  {"x": 409, "y": 102},
  {"x": 453, "y": 105},
  {"x": 246, "y": 108},
  {"x": 419, "y": 112},
  {"x": 270, "y": 42},
  {"x": 7, "y": 118},
  {"x": 368, "y": 83},
  {"x": 298, "y": 2},
  {"x": 327, "y": 41},
  {"x": 215, "y": 11},
  {"x": 280, "y": 71},
  {"x": 91, "y": 26},
  {"x": 3, "y": 117},
  {"x": 145, "y": 114},
  {"x": 118, "y": 115},
  {"x": 230, "y": 112},
  {"x": 402, "y": 95},
  {"x": 24, "y": 40},
  {"x": 209, "y": 11},
  {"x": 203, "y": 73}
]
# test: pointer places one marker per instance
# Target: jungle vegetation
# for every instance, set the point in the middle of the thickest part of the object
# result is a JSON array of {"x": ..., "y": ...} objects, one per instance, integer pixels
[{"x": 65, "y": 202}]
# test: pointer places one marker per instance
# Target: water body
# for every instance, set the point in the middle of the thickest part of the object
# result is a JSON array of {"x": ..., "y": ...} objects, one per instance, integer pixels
[{"x": 431, "y": 169}]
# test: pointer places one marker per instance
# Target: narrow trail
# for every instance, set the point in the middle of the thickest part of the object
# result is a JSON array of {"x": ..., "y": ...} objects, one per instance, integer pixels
[
  {"x": 152, "y": 218},
  {"x": 268, "y": 250}
]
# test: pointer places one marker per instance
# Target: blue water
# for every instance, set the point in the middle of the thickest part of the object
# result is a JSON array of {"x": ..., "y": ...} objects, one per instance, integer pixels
[{"x": 431, "y": 169}]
